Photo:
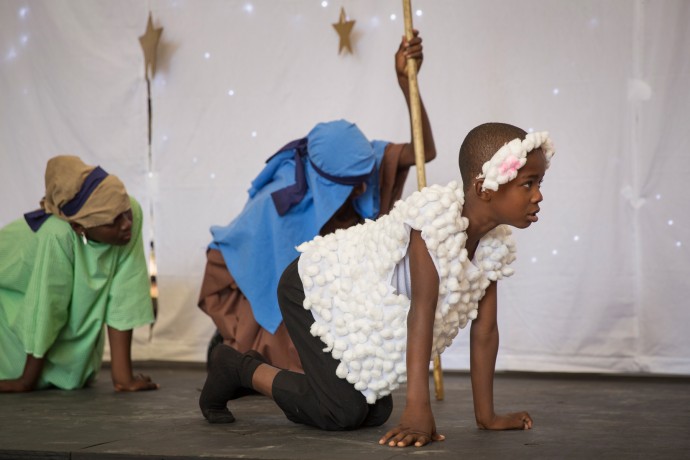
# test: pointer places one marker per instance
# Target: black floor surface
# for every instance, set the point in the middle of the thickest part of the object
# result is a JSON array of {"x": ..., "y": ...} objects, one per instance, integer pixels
[{"x": 575, "y": 416}]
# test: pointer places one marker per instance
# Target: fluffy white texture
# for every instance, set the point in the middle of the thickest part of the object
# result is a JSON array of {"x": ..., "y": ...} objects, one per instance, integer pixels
[
  {"x": 504, "y": 165},
  {"x": 358, "y": 315}
]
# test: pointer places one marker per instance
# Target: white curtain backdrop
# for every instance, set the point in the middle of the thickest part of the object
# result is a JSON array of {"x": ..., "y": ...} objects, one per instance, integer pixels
[{"x": 601, "y": 280}]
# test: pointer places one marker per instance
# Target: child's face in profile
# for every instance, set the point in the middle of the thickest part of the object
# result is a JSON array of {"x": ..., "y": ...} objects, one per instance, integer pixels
[{"x": 516, "y": 203}]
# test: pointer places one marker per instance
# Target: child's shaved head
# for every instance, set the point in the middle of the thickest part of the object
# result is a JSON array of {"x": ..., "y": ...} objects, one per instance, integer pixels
[{"x": 480, "y": 144}]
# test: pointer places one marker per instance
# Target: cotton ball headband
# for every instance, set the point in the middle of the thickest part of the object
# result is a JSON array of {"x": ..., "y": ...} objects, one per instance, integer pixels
[{"x": 503, "y": 166}]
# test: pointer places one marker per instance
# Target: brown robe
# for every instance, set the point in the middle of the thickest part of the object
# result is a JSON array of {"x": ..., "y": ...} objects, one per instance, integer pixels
[{"x": 222, "y": 300}]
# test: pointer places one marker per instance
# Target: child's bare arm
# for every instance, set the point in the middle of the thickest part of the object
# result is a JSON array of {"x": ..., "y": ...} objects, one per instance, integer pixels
[
  {"x": 121, "y": 363},
  {"x": 417, "y": 426},
  {"x": 483, "y": 350}
]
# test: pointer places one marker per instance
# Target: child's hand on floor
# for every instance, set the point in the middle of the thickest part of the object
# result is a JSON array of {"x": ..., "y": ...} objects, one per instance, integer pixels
[
  {"x": 512, "y": 421},
  {"x": 417, "y": 428},
  {"x": 139, "y": 382}
]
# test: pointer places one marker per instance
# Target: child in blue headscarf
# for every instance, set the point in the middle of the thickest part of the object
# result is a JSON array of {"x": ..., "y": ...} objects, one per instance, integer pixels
[{"x": 332, "y": 178}]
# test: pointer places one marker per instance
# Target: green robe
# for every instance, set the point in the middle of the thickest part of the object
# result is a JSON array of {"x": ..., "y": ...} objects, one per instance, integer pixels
[{"x": 57, "y": 293}]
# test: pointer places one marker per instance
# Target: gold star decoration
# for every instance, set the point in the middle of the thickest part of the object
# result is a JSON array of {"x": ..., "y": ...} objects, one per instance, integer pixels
[
  {"x": 149, "y": 43},
  {"x": 344, "y": 27}
]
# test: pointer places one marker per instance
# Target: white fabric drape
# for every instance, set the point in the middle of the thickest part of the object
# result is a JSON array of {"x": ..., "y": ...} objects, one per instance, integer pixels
[{"x": 600, "y": 279}]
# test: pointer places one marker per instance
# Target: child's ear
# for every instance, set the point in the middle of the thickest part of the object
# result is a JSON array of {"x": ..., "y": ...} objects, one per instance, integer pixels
[
  {"x": 359, "y": 190},
  {"x": 77, "y": 228},
  {"x": 484, "y": 195}
]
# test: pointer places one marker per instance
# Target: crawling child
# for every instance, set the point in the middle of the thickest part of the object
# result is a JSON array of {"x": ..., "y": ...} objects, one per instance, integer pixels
[{"x": 368, "y": 307}]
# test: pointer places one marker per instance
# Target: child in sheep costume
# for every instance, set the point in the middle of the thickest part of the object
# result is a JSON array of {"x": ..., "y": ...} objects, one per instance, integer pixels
[{"x": 368, "y": 307}]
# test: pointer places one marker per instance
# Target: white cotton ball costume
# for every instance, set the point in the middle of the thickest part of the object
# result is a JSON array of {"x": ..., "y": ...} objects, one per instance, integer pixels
[{"x": 358, "y": 314}]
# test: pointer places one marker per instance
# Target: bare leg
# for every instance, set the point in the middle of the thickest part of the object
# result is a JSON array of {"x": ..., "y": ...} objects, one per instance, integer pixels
[{"x": 262, "y": 380}]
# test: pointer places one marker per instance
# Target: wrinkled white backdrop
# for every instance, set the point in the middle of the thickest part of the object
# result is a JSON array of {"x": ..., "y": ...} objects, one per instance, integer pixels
[{"x": 601, "y": 282}]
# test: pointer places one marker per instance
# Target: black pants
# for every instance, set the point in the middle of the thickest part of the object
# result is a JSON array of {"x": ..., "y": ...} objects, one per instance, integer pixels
[{"x": 318, "y": 397}]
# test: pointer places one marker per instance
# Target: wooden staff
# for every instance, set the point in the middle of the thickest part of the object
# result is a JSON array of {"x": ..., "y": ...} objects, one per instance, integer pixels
[{"x": 418, "y": 140}]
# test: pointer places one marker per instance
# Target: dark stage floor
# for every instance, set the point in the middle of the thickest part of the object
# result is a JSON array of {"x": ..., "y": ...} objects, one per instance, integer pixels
[{"x": 576, "y": 416}]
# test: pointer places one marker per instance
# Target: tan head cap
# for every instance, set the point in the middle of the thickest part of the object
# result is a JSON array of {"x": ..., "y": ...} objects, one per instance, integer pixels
[{"x": 71, "y": 197}]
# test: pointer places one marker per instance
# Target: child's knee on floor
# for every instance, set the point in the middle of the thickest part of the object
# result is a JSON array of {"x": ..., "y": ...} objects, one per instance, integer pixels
[{"x": 348, "y": 417}]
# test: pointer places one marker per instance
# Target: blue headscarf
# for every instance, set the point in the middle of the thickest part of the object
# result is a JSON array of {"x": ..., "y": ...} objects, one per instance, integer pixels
[{"x": 296, "y": 193}]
